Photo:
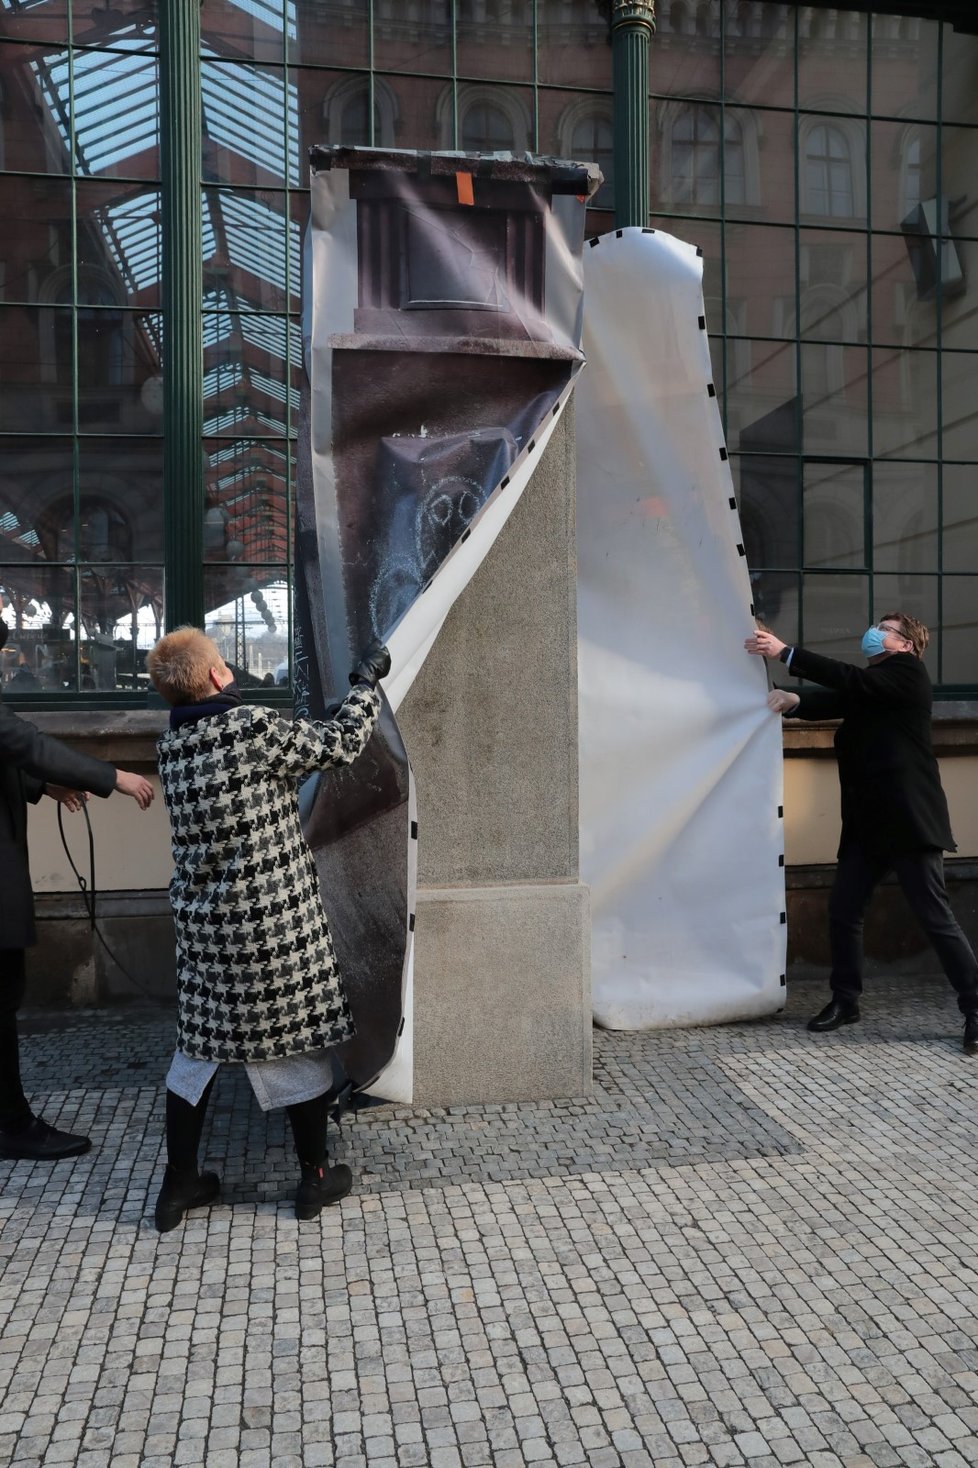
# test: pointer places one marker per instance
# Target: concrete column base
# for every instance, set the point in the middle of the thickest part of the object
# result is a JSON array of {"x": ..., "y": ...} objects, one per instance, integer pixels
[{"x": 502, "y": 993}]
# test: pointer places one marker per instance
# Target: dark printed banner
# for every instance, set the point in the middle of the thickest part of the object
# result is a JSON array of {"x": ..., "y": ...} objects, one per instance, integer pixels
[{"x": 442, "y": 331}]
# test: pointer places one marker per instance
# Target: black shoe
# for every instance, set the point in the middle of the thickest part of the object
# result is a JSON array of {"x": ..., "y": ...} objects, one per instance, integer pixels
[
  {"x": 971, "y": 1034},
  {"x": 321, "y": 1186},
  {"x": 837, "y": 1012},
  {"x": 41, "y": 1143},
  {"x": 180, "y": 1193}
]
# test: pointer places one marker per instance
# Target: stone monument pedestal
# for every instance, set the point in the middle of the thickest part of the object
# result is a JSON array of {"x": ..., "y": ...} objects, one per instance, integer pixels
[{"x": 502, "y": 998}]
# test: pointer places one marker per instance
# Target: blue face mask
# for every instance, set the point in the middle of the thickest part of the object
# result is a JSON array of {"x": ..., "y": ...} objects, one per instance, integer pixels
[{"x": 872, "y": 643}]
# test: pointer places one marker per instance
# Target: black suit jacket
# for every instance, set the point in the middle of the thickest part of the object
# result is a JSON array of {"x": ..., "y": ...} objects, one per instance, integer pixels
[
  {"x": 29, "y": 759},
  {"x": 892, "y": 798}
]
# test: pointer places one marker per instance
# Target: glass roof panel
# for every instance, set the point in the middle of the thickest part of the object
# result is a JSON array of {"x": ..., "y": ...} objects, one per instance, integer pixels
[
  {"x": 115, "y": 111},
  {"x": 132, "y": 234},
  {"x": 268, "y": 332},
  {"x": 251, "y": 111}
]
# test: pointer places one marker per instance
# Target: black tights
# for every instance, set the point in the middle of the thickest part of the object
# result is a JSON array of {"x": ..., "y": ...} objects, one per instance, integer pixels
[{"x": 185, "y": 1123}]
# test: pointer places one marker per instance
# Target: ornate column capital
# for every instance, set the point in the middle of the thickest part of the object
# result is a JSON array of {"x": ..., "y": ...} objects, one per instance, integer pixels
[{"x": 633, "y": 13}]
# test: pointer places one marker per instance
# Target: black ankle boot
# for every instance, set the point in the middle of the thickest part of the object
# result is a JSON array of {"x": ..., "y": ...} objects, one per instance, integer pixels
[
  {"x": 319, "y": 1186},
  {"x": 971, "y": 1034},
  {"x": 182, "y": 1191}
]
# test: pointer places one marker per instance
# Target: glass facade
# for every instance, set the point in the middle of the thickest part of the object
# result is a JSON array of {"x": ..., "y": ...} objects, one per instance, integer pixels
[{"x": 821, "y": 157}]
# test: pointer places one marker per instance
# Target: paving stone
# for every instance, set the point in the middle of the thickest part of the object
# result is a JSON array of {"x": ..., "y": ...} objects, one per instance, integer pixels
[{"x": 750, "y": 1248}]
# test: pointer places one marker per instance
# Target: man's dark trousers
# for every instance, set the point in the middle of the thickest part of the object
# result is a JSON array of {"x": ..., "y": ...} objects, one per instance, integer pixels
[
  {"x": 14, "y": 1110},
  {"x": 921, "y": 875}
]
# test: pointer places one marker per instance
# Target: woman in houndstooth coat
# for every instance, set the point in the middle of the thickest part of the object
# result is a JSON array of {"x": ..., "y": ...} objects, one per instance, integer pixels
[{"x": 257, "y": 979}]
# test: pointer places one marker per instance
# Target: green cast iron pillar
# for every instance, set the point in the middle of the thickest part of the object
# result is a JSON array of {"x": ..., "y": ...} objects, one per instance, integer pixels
[
  {"x": 183, "y": 366},
  {"x": 632, "y": 27}
]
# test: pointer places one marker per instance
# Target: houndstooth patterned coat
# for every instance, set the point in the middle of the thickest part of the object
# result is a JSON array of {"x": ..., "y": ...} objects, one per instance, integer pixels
[{"x": 256, "y": 971}]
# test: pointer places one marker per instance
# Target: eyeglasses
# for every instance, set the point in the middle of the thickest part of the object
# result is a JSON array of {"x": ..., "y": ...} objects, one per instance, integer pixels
[{"x": 892, "y": 631}]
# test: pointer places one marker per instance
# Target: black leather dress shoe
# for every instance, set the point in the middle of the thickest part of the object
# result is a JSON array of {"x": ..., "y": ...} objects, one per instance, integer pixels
[
  {"x": 971, "y": 1034},
  {"x": 38, "y": 1142},
  {"x": 837, "y": 1012}
]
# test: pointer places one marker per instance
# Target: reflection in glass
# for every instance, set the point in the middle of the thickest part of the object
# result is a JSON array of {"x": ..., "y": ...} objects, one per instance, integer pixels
[
  {"x": 959, "y": 515},
  {"x": 252, "y": 259},
  {"x": 693, "y": 156},
  {"x": 835, "y": 613},
  {"x": 834, "y": 508},
  {"x": 834, "y": 381},
  {"x": 768, "y": 498},
  {"x": 252, "y": 375},
  {"x": 32, "y": 397},
  {"x": 114, "y": 112},
  {"x": 905, "y": 404},
  {"x": 45, "y": 22},
  {"x": 334, "y": 107},
  {"x": 254, "y": 31},
  {"x": 959, "y": 632},
  {"x": 420, "y": 40},
  {"x": 497, "y": 40},
  {"x": 904, "y": 170},
  {"x": 33, "y": 471},
  {"x": 959, "y": 371},
  {"x": 249, "y": 114},
  {"x": 32, "y": 130},
  {"x": 39, "y": 610},
  {"x": 832, "y": 43},
  {"x": 119, "y": 237},
  {"x": 761, "y": 273},
  {"x": 959, "y": 319},
  {"x": 916, "y": 595},
  {"x": 828, "y": 184},
  {"x": 776, "y": 597},
  {"x": 129, "y": 25},
  {"x": 900, "y": 315},
  {"x": 494, "y": 119},
  {"x": 904, "y": 57},
  {"x": 572, "y": 44},
  {"x": 758, "y": 52},
  {"x": 337, "y": 30},
  {"x": 905, "y": 517},
  {"x": 37, "y": 234},
  {"x": 684, "y": 59},
  {"x": 832, "y": 277},
  {"x": 246, "y": 517},
  {"x": 120, "y": 487},
  {"x": 247, "y": 615}
]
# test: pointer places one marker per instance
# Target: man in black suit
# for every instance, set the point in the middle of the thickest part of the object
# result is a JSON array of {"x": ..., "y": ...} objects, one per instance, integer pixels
[
  {"x": 32, "y": 765},
  {"x": 894, "y": 811}
]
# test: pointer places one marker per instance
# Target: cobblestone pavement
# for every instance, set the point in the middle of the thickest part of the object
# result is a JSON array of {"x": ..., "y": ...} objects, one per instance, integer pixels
[{"x": 751, "y": 1246}]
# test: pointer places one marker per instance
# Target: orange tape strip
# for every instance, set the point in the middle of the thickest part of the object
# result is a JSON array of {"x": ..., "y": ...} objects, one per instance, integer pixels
[{"x": 463, "y": 182}]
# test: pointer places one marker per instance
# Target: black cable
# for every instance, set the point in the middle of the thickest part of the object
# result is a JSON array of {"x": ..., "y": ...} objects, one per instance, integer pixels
[{"x": 88, "y": 892}]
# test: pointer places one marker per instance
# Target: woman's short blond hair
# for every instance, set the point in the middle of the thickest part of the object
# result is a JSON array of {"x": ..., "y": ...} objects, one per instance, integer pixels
[
  {"x": 915, "y": 632},
  {"x": 179, "y": 665}
]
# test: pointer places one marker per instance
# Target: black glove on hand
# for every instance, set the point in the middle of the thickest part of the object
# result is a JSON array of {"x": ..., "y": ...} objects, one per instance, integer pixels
[{"x": 373, "y": 665}]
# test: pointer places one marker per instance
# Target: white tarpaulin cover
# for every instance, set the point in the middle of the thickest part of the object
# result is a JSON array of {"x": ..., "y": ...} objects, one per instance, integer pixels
[{"x": 681, "y": 761}]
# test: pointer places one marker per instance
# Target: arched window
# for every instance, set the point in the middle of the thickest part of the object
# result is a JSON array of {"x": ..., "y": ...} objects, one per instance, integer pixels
[
  {"x": 585, "y": 133},
  {"x": 485, "y": 128},
  {"x": 491, "y": 119},
  {"x": 696, "y": 158},
  {"x": 347, "y": 117},
  {"x": 828, "y": 173}
]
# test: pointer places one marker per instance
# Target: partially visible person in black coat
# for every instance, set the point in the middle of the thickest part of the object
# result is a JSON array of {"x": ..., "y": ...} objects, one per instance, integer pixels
[
  {"x": 32, "y": 765},
  {"x": 894, "y": 811}
]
